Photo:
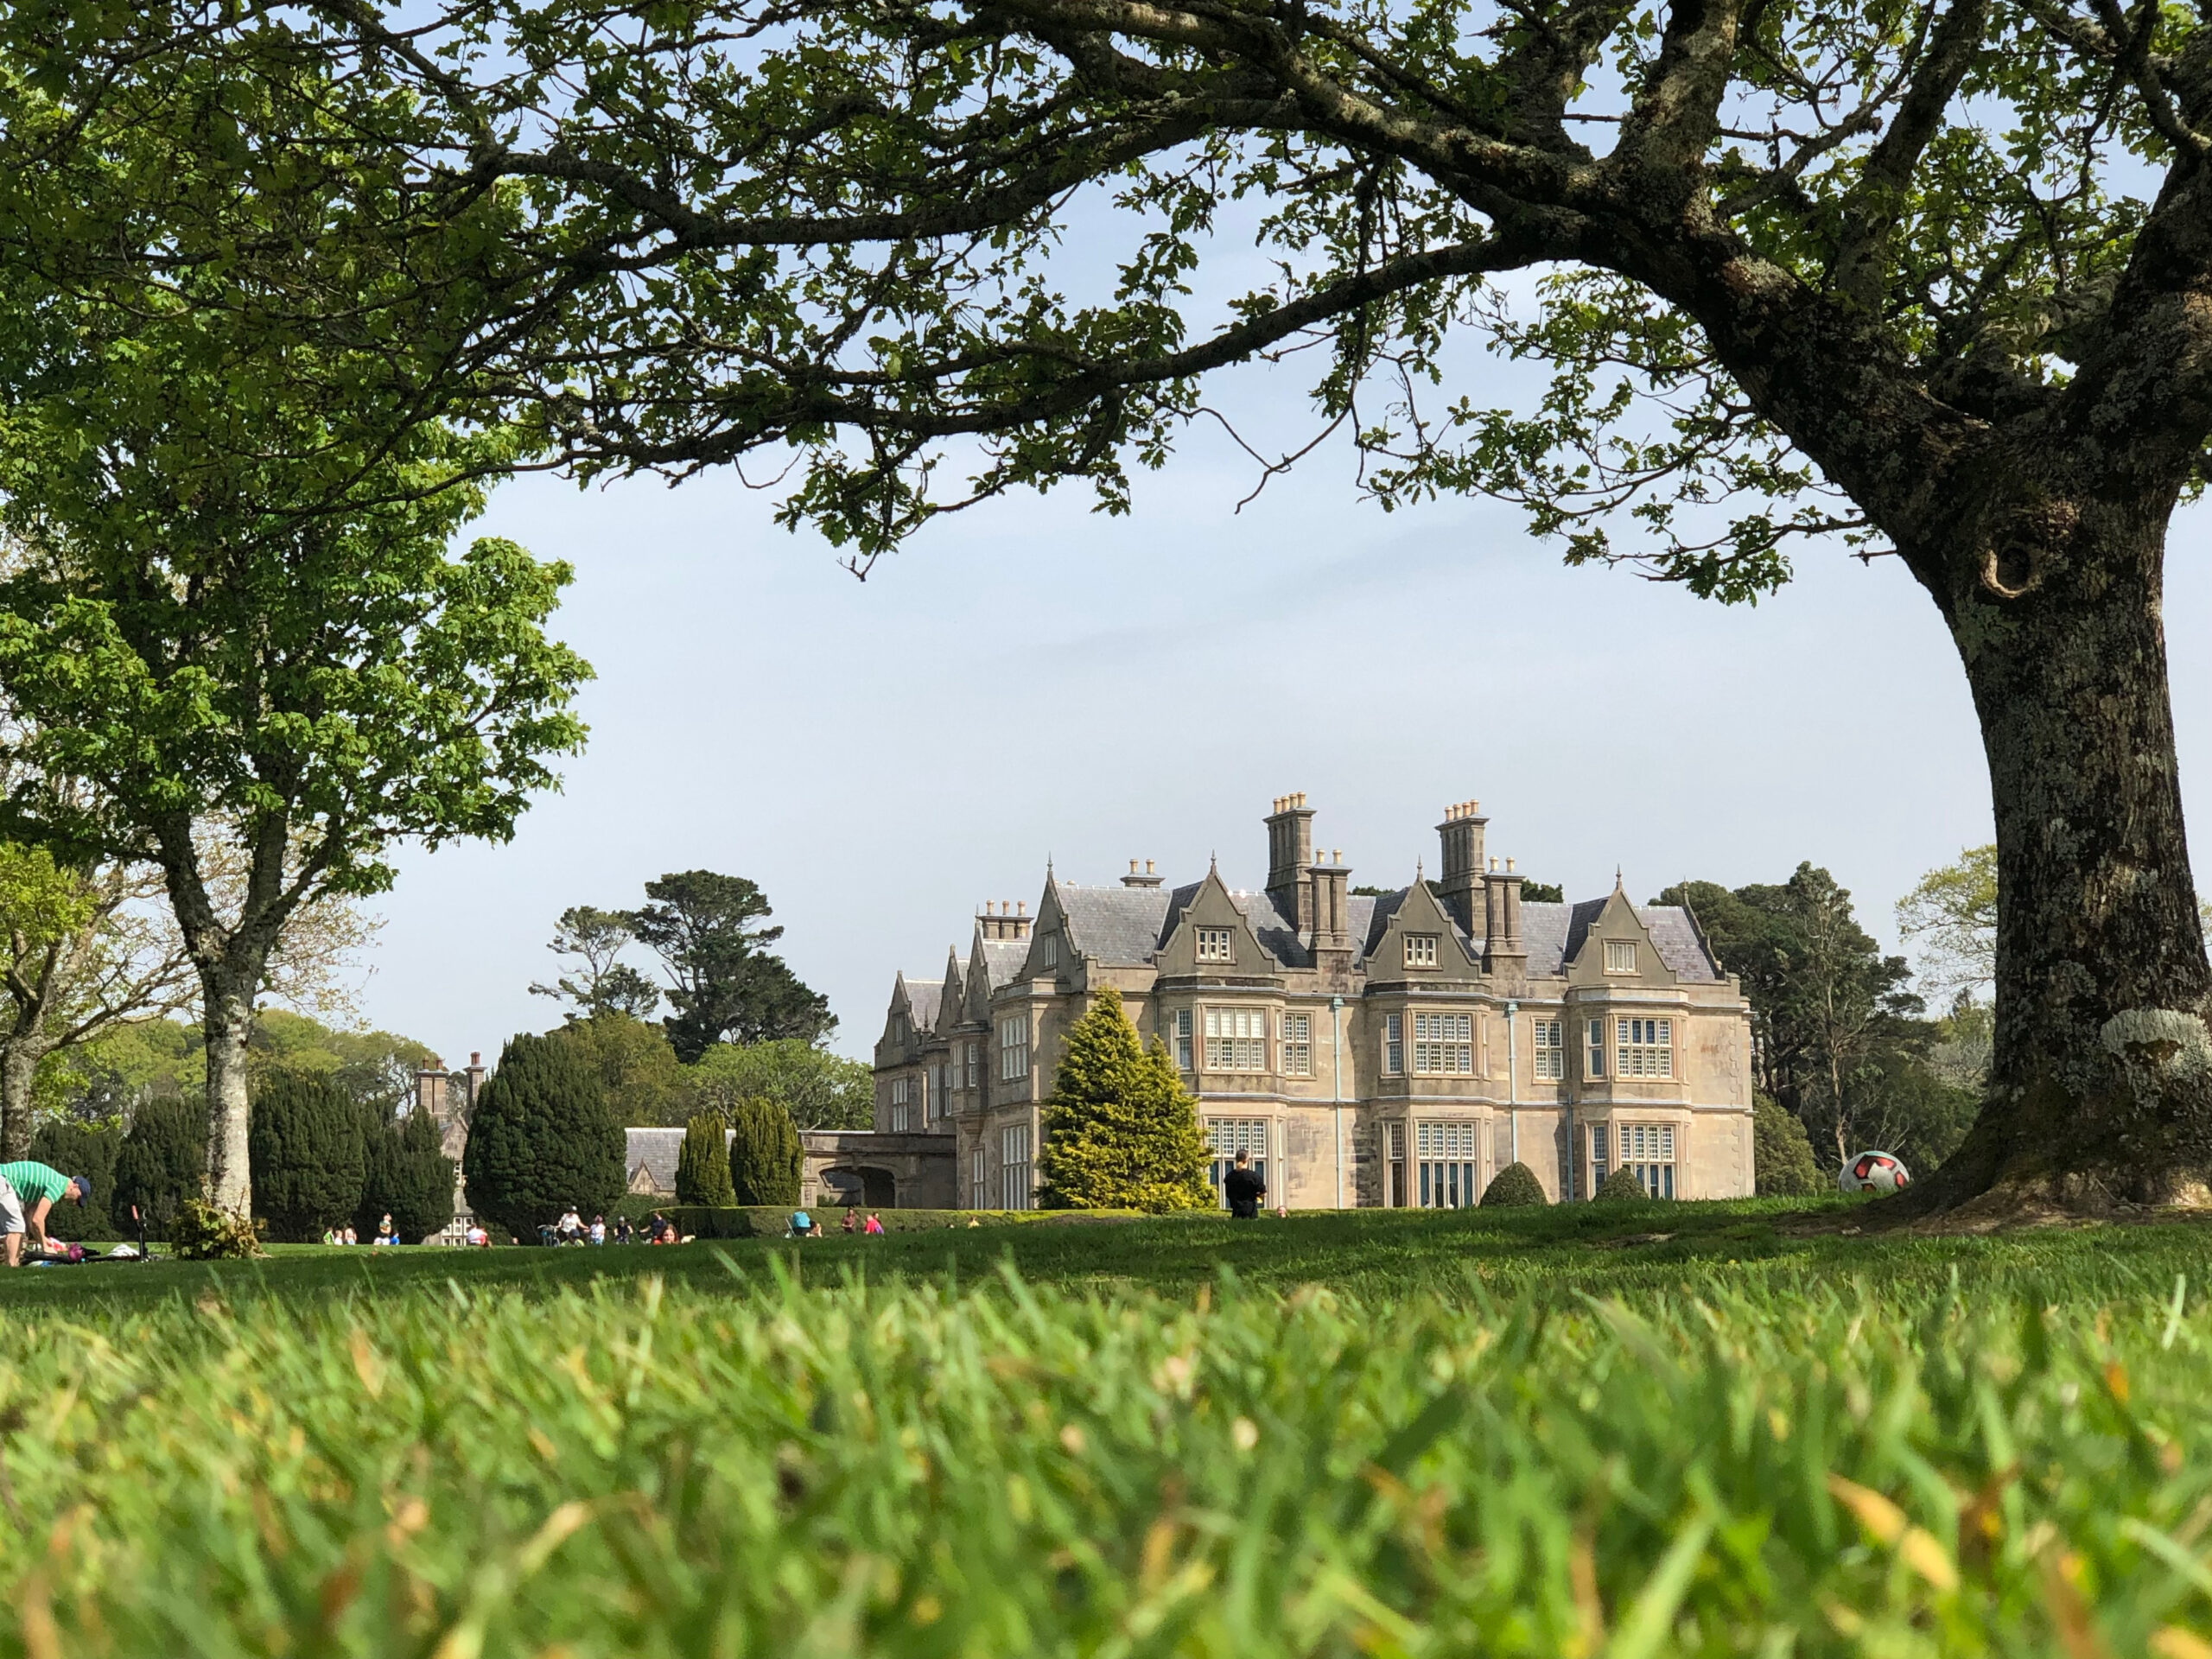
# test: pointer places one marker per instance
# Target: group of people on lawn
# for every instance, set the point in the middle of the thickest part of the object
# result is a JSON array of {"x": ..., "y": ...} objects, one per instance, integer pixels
[{"x": 29, "y": 1192}]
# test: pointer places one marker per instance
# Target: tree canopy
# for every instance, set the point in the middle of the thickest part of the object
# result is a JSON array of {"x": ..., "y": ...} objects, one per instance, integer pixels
[
  {"x": 726, "y": 986},
  {"x": 1931, "y": 280}
]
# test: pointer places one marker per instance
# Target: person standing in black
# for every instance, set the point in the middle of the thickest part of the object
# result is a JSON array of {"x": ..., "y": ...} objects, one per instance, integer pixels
[{"x": 1243, "y": 1189}]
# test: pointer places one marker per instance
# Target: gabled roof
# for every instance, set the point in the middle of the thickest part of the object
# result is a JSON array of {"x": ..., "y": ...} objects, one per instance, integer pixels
[
  {"x": 1674, "y": 934},
  {"x": 921, "y": 1000},
  {"x": 657, "y": 1150},
  {"x": 1121, "y": 926}
]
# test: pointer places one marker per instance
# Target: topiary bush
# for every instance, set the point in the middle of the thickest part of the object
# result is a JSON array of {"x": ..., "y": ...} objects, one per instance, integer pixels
[
  {"x": 702, "y": 1165},
  {"x": 1514, "y": 1187},
  {"x": 542, "y": 1137},
  {"x": 766, "y": 1159},
  {"x": 1620, "y": 1187},
  {"x": 304, "y": 1141}
]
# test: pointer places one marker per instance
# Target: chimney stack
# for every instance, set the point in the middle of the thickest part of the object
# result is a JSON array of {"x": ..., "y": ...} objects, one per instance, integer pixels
[
  {"x": 1144, "y": 878},
  {"x": 1329, "y": 882},
  {"x": 1461, "y": 832},
  {"x": 1001, "y": 923},
  {"x": 1503, "y": 950},
  {"x": 1290, "y": 858}
]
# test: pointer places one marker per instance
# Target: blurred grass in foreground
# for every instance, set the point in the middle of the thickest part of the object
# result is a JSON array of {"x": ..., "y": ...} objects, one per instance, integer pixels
[{"x": 1952, "y": 1446}]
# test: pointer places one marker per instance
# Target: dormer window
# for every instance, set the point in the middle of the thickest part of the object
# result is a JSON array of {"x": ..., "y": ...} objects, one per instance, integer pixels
[
  {"x": 1048, "y": 951},
  {"x": 1620, "y": 955},
  {"x": 1420, "y": 950},
  {"x": 1216, "y": 944}
]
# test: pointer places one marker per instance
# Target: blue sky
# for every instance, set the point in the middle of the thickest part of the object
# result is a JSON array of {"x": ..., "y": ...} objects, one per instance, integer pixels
[{"x": 1031, "y": 678}]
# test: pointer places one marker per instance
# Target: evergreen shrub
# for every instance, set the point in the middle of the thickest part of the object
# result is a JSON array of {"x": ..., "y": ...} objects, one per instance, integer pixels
[
  {"x": 765, "y": 1158},
  {"x": 1781, "y": 1154},
  {"x": 203, "y": 1233},
  {"x": 1620, "y": 1187},
  {"x": 86, "y": 1149},
  {"x": 542, "y": 1137},
  {"x": 162, "y": 1161},
  {"x": 1514, "y": 1187},
  {"x": 305, "y": 1144},
  {"x": 408, "y": 1177},
  {"x": 1120, "y": 1131},
  {"x": 702, "y": 1166}
]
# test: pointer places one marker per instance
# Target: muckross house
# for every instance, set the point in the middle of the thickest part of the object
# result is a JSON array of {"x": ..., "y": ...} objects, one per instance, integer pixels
[{"x": 1394, "y": 1049}]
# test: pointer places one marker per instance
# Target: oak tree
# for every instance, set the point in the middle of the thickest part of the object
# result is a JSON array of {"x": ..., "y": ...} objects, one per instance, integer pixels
[{"x": 1930, "y": 279}]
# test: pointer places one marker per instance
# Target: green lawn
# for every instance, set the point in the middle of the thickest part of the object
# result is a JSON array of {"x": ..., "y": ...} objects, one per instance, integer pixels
[
  {"x": 1679, "y": 1429},
  {"x": 1561, "y": 1253}
]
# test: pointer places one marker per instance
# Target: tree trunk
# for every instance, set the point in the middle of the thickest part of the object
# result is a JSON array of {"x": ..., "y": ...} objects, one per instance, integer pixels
[
  {"x": 2101, "y": 1084},
  {"x": 228, "y": 1022},
  {"x": 18, "y": 1071}
]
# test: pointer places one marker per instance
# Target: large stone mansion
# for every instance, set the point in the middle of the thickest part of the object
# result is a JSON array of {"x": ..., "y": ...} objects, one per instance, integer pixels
[{"x": 1394, "y": 1050}]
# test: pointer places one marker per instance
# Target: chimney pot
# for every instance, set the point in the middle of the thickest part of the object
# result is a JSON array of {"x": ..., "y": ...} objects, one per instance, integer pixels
[
  {"x": 1133, "y": 867},
  {"x": 1509, "y": 864},
  {"x": 1021, "y": 907},
  {"x": 476, "y": 1057},
  {"x": 1147, "y": 866},
  {"x": 1493, "y": 863}
]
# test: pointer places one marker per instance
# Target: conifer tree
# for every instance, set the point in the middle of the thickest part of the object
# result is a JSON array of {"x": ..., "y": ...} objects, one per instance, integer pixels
[
  {"x": 1120, "y": 1132},
  {"x": 702, "y": 1166},
  {"x": 305, "y": 1144},
  {"x": 408, "y": 1177},
  {"x": 765, "y": 1158},
  {"x": 86, "y": 1149},
  {"x": 542, "y": 1137},
  {"x": 161, "y": 1164}
]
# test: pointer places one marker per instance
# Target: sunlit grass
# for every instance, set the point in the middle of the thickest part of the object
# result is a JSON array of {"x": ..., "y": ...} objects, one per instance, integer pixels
[{"x": 1558, "y": 1434}]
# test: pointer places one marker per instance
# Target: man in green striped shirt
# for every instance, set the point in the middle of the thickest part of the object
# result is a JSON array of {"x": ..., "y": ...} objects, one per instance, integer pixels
[{"x": 27, "y": 1193}]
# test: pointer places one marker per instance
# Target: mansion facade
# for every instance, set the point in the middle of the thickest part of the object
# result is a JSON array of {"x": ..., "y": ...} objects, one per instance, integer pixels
[{"x": 1394, "y": 1049}]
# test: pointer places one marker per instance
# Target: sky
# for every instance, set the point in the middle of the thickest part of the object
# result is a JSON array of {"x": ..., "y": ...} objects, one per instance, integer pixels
[{"x": 1032, "y": 679}]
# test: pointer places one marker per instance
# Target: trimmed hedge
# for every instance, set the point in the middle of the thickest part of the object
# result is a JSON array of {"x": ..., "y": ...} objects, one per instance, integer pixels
[{"x": 769, "y": 1220}]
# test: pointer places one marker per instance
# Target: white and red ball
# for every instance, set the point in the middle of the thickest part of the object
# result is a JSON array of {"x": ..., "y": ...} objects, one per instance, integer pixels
[{"x": 1874, "y": 1172}]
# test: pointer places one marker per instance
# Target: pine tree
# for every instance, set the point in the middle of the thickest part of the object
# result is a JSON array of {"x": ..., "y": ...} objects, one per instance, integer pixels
[
  {"x": 162, "y": 1161},
  {"x": 410, "y": 1177},
  {"x": 1120, "y": 1132},
  {"x": 702, "y": 1166},
  {"x": 765, "y": 1158},
  {"x": 305, "y": 1144},
  {"x": 542, "y": 1137}
]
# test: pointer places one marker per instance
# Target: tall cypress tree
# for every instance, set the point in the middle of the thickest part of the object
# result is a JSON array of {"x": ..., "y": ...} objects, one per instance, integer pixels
[
  {"x": 702, "y": 1166},
  {"x": 1120, "y": 1132},
  {"x": 161, "y": 1163},
  {"x": 305, "y": 1142},
  {"x": 765, "y": 1158},
  {"x": 409, "y": 1178},
  {"x": 542, "y": 1137}
]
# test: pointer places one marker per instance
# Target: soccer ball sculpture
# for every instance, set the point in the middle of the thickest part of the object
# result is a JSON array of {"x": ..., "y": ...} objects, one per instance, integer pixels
[{"x": 1874, "y": 1172}]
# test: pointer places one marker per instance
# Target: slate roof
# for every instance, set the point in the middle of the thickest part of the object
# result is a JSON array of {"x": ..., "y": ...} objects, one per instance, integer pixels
[
  {"x": 656, "y": 1149},
  {"x": 1673, "y": 933},
  {"x": 1119, "y": 925},
  {"x": 1002, "y": 959},
  {"x": 922, "y": 997}
]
